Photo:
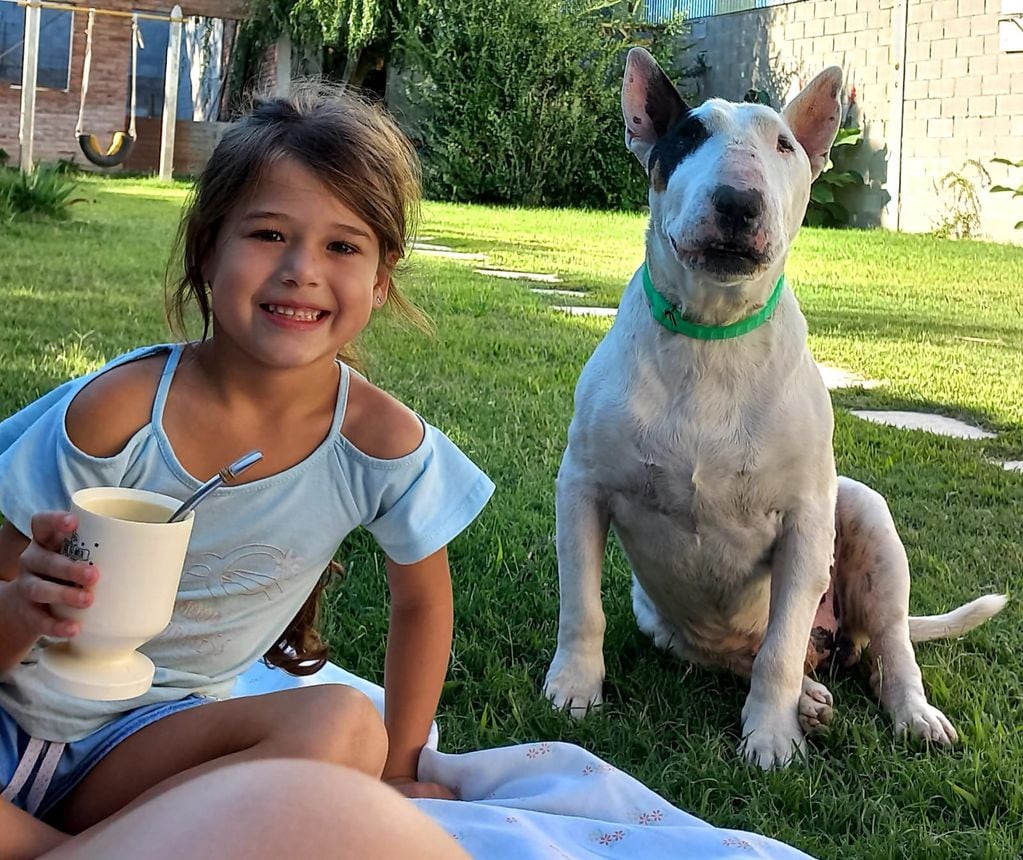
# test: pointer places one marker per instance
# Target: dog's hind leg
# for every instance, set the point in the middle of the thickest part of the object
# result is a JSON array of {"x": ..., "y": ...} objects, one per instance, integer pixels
[
  {"x": 656, "y": 626},
  {"x": 815, "y": 701},
  {"x": 872, "y": 578},
  {"x": 816, "y": 706}
]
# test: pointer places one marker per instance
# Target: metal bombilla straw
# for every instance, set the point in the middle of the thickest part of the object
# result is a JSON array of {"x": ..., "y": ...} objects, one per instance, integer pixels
[{"x": 227, "y": 474}]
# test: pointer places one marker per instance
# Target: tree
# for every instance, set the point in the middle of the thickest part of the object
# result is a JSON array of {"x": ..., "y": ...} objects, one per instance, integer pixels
[
  {"x": 518, "y": 101},
  {"x": 347, "y": 40}
]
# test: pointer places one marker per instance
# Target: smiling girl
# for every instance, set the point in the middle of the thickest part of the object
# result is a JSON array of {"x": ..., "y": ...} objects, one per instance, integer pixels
[{"x": 289, "y": 247}]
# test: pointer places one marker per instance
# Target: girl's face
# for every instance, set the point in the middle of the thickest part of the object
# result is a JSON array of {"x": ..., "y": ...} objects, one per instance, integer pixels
[{"x": 295, "y": 274}]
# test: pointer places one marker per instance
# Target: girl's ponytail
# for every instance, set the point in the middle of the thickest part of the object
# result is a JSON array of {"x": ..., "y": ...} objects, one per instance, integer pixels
[{"x": 300, "y": 650}]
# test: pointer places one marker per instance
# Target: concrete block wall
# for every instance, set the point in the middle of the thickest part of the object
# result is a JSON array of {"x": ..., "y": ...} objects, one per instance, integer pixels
[{"x": 962, "y": 104}]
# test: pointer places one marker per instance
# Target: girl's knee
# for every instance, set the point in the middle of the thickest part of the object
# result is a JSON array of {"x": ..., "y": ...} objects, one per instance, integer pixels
[{"x": 337, "y": 724}]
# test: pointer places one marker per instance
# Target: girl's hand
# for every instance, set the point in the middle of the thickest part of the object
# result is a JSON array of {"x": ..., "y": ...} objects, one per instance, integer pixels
[
  {"x": 413, "y": 788},
  {"x": 45, "y": 579}
]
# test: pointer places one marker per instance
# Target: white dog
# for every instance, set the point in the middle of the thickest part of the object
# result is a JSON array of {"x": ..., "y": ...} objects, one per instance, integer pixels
[{"x": 703, "y": 436}]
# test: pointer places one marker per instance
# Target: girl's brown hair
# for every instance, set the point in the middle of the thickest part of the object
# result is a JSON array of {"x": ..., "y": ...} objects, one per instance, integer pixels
[
  {"x": 354, "y": 147},
  {"x": 363, "y": 158}
]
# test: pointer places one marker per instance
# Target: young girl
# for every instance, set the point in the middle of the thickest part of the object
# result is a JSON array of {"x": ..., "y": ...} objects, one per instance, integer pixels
[{"x": 289, "y": 247}]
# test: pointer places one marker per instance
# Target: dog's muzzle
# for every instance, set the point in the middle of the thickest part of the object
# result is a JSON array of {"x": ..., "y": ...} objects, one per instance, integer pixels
[{"x": 736, "y": 244}]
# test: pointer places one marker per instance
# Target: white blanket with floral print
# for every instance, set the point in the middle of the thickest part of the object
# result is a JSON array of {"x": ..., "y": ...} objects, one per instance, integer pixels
[{"x": 547, "y": 800}]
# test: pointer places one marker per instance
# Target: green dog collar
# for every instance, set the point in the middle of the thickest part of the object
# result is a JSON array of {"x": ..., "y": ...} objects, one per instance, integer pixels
[{"x": 670, "y": 316}]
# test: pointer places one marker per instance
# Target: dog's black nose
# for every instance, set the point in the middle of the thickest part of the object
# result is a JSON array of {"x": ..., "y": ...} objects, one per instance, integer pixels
[{"x": 737, "y": 208}]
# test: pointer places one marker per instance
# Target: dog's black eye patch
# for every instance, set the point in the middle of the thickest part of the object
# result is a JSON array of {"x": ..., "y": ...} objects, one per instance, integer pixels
[{"x": 681, "y": 141}]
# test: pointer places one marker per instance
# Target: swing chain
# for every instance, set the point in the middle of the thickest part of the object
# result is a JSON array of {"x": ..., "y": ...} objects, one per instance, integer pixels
[{"x": 136, "y": 43}]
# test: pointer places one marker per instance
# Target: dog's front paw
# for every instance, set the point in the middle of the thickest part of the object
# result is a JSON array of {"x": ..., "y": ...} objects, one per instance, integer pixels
[
  {"x": 770, "y": 738},
  {"x": 815, "y": 707},
  {"x": 575, "y": 682},
  {"x": 924, "y": 721}
]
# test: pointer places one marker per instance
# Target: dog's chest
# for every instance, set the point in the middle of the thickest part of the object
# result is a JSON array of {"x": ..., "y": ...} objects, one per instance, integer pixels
[
  {"x": 698, "y": 453},
  {"x": 695, "y": 471},
  {"x": 698, "y": 522},
  {"x": 689, "y": 476}
]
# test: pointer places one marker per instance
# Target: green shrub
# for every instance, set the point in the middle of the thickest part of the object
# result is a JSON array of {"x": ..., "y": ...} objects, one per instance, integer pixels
[
  {"x": 67, "y": 166},
  {"x": 6, "y": 208},
  {"x": 958, "y": 216},
  {"x": 1015, "y": 192},
  {"x": 520, "y": 99},
  {"x": 830, "y": 191},
  {"x": 45, "y": 192}
]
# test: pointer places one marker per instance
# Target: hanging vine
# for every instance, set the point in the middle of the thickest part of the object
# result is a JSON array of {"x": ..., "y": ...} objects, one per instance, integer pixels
[{"x": 343, "y": 39}]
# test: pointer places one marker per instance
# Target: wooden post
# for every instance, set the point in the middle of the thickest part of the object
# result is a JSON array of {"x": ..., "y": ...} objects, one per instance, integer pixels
[
  {"x": 282, "y": 84},
  {"x": 891, "y": 215},
  {"x": 170, "y": 96},
  {"x": 29, "y": 69}
]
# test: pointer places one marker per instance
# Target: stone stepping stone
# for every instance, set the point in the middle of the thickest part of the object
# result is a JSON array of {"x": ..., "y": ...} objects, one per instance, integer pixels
[
  {"x": 448, "y": 254},
  {"x": 939, "y": 424},
  {"x": 543, "y": 292},
  {"x": 520, "y": 276},
  {"x": 586, "y": 312},
  {"x": 836, "y": 377}
]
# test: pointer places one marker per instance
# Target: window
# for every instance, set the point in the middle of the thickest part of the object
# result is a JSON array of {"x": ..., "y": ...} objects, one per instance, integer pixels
[
  {"x": 200, "y": 75},
  {"x": 1010, "y": 26},
  {"x": 54, "y": 45},
  {"x": 152, "y": 60}
]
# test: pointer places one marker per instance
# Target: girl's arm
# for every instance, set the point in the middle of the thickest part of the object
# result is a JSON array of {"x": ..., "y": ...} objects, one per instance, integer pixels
[
  {"x": 418, "y": 650},
  {"x": 34, "y": 576}
]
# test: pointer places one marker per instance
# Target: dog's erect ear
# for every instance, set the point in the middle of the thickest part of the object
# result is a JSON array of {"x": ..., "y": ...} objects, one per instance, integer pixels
[
  {"x": 650, "y": 103},
  {"x": 814, "y": 116}
]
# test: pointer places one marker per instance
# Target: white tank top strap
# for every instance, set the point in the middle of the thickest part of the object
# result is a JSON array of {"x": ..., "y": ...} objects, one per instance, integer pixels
[
  {"x": 343, "y": 387},
  {"x": 166, "y": 377}
]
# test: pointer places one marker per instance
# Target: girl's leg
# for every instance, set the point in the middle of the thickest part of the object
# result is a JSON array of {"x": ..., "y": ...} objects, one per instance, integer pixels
[
  {"x": 265, "y": 810},
  {"x": 328, "y": 723},
  {"x": 22, "y": 836}
]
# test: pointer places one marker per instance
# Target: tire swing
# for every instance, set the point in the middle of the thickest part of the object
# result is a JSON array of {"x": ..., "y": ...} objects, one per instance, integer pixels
[{"x": 122, "y": 143}]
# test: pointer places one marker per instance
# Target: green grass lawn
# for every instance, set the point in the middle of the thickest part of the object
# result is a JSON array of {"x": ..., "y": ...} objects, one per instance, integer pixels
[{"x": 940, "y": 322}]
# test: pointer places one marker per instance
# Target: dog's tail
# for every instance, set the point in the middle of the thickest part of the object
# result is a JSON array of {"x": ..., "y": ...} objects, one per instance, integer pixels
[{"x": 958, "y": 621}]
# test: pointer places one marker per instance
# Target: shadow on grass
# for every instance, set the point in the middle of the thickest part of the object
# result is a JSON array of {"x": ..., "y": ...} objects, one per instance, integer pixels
[{"x": 887, "y": 326}]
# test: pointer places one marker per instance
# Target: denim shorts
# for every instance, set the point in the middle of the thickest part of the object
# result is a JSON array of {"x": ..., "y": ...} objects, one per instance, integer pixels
[{"x": 48, "y": 771}]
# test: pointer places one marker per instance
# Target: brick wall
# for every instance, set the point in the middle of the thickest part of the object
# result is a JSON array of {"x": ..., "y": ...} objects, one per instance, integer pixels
[
  {"x": 106, "y": 102},
  {"x": 963, "y": 95},
  {"x": 194, "y": 143}
]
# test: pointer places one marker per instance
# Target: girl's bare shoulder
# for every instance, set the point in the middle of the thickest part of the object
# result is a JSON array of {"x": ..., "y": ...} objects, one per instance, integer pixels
[
  {"x": 114, "y": 406},
  {"x": 379, "y": 424}
]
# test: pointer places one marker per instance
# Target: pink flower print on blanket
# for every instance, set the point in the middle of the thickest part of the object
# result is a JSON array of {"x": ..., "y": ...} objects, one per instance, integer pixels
[
  {"x": 735, "y": 842},
  {"x": 538, "y": 750},
  {"x": 651, "y": 817},
  {"x": 611, "y": 837}
]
